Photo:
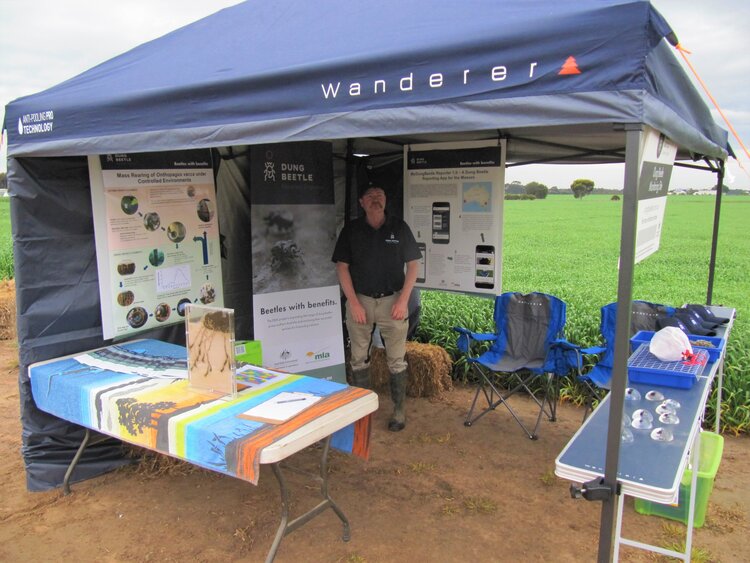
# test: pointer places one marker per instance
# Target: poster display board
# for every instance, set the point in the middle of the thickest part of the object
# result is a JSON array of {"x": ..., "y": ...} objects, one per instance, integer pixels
[
  {"x": 157, "y": 237},
  {"x": 657, "y": 160},
  {"x": 453, "y": 202},
  {"x": 300, "y": 329},
  {"x": 296, "y": 297}
]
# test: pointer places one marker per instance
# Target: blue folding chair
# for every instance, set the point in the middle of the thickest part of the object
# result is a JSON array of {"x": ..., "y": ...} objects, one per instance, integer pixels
[
  {"x": 644, "y": 316},
  {"x": 527, "y": 343}
]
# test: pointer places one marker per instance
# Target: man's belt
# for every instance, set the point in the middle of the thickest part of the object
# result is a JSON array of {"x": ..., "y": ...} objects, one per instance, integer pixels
[{"x": 379, "y": 295}]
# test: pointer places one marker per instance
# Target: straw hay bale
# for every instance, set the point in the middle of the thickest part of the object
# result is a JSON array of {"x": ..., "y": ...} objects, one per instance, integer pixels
[
  {"x": 429, "y": 369},
  {"x": 151, "y": 464},
  {"x": 7, "y": 309}
]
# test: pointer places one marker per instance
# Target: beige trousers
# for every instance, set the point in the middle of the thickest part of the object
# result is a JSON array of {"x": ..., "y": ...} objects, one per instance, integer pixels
[{"x": 393, "y": 332}]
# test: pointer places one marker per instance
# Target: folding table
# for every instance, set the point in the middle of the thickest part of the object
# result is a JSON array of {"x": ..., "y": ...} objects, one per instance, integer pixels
[
  {"x": 647, "y": 468},
  {"x": 138, "y": 392}
]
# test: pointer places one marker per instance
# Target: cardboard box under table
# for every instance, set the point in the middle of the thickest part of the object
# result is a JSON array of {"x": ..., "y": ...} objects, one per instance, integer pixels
[{"x": 139, "y": 392}]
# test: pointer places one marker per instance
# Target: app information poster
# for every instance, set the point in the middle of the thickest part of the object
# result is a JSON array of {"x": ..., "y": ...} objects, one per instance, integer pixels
[
  {"x": 657, "y": 161},
  {"x": 296, "y": 297},
  {"x": 157, "y": 237},
  {"x": 453, "y": 202}
]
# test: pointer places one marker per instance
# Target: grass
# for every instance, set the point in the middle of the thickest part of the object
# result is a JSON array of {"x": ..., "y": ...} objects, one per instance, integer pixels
[
  {"x": 570, "y": 248},
  {"x": 697, "y": 554},
  {"x": 424, "y": 438},
  {"x": 579, "y": 239},
  {"x": 548, "y": 478},
  {"x": 421, "y": 467},
  {"x": 480, "y": 505},
  {"x": 6, "y": 241}
]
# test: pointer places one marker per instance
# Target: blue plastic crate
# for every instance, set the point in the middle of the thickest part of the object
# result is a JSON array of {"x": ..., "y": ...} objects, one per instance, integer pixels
[
  {"x": 645, "y": 336},
  {"x": 644, "y": 367}
]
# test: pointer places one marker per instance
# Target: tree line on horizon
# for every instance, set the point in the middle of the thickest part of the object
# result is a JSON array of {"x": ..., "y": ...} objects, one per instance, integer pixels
[
  {"x": 579, "y": 188},
  {"x": 582, "y": 187}
]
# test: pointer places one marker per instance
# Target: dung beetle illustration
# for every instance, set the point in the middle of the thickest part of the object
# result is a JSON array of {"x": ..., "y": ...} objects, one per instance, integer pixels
[
  {"x": 285, "y": 254},
  {"x": 280, "y": 222}
]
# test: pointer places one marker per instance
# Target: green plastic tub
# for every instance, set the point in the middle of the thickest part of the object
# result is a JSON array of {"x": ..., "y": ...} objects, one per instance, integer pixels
[{"x": 712, "y": 446}]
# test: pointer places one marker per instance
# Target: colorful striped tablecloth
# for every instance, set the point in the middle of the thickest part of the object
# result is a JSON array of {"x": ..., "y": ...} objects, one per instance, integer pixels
[{"x": 139, "y": 392}]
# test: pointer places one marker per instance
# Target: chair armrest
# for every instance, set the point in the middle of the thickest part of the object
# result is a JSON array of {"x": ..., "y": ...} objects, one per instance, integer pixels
[
  {"x": 478, "y": 336},
  {"x": 570, "y": 356},
  {"x": 564, "y": 344},
  {"x": 466, "y": 337},
  {"x": 567, "y": 356},
  {"x": 592, "y": 350}
]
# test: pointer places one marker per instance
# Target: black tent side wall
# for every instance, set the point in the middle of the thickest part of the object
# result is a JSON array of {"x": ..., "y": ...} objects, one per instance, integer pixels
[
  {"x": 233, "y": 209},
  {"x": 57, "y": 301},
  {"x": 58, "y": 307}
]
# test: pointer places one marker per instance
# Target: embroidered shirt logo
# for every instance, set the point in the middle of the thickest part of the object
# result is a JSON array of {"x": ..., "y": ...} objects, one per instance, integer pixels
[{"x": 392, "y": 239}]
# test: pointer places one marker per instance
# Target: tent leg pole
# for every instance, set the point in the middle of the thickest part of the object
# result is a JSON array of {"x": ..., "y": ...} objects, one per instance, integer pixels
[
  {"x": 348, "y": 180},
  {"x": 715, "y": 234},
  {"x": 634, "y": 135}
]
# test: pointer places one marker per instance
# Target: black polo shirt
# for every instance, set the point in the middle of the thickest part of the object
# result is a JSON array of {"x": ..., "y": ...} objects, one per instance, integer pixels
[{"x": 376, "y": 257}]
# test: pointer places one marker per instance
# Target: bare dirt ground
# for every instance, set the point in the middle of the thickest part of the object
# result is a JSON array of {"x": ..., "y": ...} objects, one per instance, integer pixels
[{"x": 437, "y": 491}]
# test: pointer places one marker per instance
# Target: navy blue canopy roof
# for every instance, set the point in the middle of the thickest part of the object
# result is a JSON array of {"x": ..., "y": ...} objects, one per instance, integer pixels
[{"x": 298, "y": 70}]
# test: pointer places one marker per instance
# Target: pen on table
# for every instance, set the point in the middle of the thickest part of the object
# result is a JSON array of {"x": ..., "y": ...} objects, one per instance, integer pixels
[{"x": 292, "y": 400}]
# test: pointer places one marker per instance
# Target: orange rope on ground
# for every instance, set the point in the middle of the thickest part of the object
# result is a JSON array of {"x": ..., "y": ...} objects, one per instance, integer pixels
[{"x": 683, "y": 52}]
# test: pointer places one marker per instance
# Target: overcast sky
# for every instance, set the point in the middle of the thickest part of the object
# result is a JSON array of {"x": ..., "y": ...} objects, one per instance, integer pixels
[{"x": 44, "y": 42}]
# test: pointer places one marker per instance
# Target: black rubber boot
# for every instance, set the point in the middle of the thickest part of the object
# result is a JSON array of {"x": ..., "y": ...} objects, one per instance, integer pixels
[
  {"x": 398, "y": 395},
  {"x": 361, "y": 378}
]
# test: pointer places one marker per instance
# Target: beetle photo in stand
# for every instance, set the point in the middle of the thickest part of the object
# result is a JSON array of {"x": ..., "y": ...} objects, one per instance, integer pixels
[
  {"x": 285, "y": 255},
  {"x": 279, "y": 222},
  {"x": 290, "y": 246}
]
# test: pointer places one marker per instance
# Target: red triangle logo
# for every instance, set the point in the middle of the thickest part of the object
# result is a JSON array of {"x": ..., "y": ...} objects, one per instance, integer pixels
[{"x": 570, "y": 66}]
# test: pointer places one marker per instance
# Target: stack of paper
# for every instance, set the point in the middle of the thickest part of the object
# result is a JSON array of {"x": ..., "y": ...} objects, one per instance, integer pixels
[{"x": 281, "y": 407}]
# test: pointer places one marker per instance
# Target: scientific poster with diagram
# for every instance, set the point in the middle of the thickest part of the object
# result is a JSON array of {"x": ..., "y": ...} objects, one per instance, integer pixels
[
  {"x": 157, "y": 237},
  {"x": 296, "y": 297},
  {"x": 453, "y": 202},
  {"x": 657, "y": 161}
]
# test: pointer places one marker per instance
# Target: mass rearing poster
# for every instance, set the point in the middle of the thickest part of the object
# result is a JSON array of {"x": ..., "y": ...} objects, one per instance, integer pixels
[
  {"x": 453, "y": 202},
  {"x": 157, "y": 237}
]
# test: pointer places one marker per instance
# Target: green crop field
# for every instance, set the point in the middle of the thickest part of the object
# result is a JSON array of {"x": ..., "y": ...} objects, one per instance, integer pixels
[
  {"x": 570, "y": 248},
  {"x": 6, "y": 243}
]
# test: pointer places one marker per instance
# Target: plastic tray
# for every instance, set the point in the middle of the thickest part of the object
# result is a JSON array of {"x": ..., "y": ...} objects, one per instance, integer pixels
[
  {"x": 645, "y": 336},
  {"x": 712, "y": 446},
  {"x": 644, "y": 367}
]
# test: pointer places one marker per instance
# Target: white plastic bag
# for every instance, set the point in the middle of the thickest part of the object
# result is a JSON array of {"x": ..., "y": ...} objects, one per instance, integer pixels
[{"x": 670, "y": 344}]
